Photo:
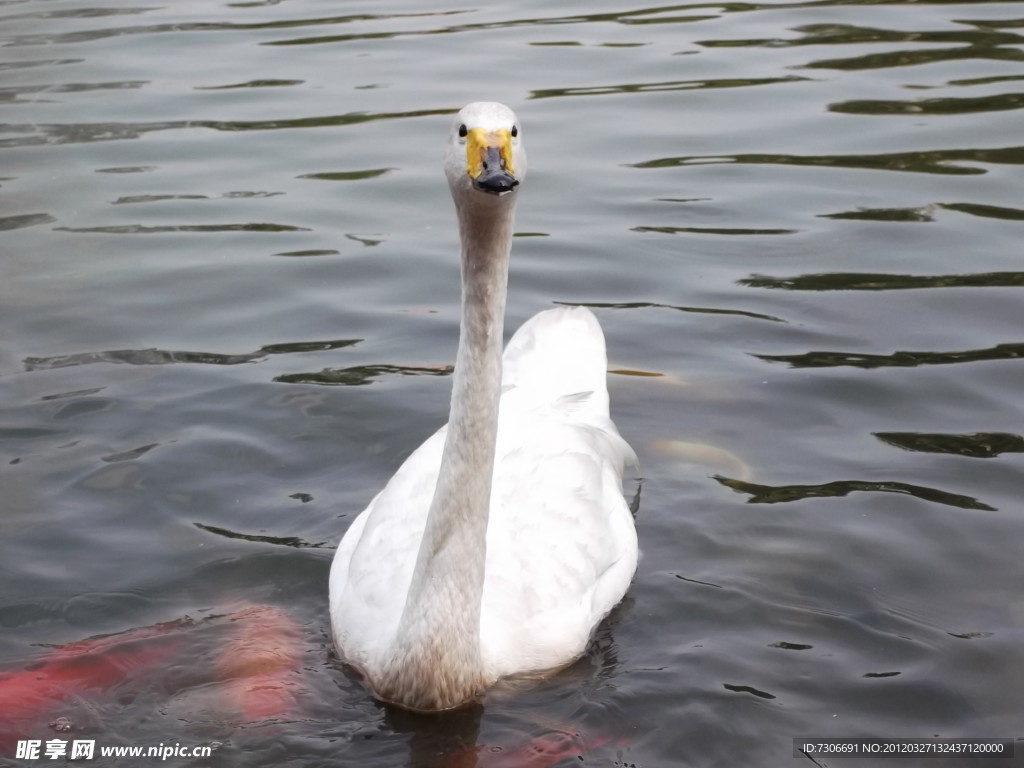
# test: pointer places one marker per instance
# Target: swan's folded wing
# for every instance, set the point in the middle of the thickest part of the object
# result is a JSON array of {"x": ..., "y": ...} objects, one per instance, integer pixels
[
  {"x": 373, "y": 566},
  {"x": 561, "y": 544}
]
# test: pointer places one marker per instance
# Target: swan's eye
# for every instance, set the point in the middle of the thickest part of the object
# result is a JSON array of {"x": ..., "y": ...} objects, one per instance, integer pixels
[
  {"x": 463, "y": 131},
  {"x": 515, "y": 131}
]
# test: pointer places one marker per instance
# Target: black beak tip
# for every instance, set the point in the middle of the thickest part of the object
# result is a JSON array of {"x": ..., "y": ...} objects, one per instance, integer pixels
[{"x": 496, "y": 182}]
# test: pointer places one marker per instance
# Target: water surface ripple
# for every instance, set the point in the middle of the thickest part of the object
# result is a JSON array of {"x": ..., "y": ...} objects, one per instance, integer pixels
[{"x": 229, "y": 310}]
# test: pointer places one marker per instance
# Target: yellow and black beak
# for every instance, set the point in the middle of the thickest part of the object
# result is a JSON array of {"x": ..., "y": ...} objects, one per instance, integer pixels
[{"x": 489, "y": 161}]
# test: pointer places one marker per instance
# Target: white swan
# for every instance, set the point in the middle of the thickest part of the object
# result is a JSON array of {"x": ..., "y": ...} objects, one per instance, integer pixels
[{"x": 504, "y": 539}]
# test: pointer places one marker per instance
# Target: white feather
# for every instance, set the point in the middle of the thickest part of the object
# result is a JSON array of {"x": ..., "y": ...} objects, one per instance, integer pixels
[{"x": 560, "y": 549}]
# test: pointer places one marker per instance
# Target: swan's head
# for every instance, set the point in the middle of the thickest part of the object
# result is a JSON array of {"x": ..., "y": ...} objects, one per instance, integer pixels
[{"x": 485, "y": 152}]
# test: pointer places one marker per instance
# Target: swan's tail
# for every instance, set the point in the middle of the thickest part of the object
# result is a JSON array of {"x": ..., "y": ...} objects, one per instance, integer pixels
[{"x": 559, "y": 353}]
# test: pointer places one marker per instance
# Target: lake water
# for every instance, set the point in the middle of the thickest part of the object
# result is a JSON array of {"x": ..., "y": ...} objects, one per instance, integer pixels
[{"x": 229, "y": 307}]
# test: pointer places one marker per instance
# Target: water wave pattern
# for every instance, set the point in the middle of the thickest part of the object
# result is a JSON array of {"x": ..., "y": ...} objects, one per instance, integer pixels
[{"x": 229, "y": 311}]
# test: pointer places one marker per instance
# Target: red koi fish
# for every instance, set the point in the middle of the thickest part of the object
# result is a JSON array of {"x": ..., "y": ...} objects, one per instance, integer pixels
[
  {"x": 256, "y": 670},
  {"x": 68, "y": 671},
  {"x": 258, "y": 667}
]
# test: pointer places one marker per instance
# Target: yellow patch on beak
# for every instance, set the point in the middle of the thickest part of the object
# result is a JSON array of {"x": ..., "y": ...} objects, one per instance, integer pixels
[{"x": 478, "y": 141}]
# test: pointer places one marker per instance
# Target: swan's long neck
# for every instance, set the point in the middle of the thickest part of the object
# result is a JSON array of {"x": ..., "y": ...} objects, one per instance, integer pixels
[{"x": 439, "y": 633}]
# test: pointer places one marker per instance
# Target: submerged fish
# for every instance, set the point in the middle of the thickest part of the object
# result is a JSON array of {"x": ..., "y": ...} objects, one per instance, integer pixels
[
  {"x": 257, "y": 667},
  {"x": 89, "y": 666},
  {"x": 254, "y": 677}
]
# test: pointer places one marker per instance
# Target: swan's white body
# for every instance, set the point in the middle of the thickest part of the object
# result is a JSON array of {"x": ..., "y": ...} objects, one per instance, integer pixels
[{"x": 456, "y": 575}]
